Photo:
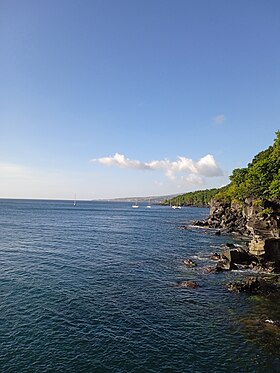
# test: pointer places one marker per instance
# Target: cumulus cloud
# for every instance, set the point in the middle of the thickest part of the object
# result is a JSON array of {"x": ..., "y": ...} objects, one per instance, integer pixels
[
  {"x": 205, "y": 167},
  {"x": 219, "y": 119},
  {"x": 193, "y": 179},
  {"x": 119, "y": 160}
]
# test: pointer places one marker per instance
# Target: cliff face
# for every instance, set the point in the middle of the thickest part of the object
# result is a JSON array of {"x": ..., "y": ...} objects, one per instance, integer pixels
[{"x": 259, "y": 221}]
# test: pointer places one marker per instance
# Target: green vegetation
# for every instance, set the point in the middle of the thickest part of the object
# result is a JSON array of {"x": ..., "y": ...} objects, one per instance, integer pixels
[
  {"x": 260, "y": 180},
  {"x": 198, "y": 198}
]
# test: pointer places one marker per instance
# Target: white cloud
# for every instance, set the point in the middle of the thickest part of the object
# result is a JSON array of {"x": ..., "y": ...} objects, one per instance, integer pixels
[
  {"x": 193, "y": 179},
  {"x": 119, "y": 160},
  {"x": 205, "y": 167},
  {"x": 219, "y": 119}
]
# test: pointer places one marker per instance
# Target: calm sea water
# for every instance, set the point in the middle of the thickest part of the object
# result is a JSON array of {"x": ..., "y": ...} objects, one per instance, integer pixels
[{"x": 92, "y": 288}]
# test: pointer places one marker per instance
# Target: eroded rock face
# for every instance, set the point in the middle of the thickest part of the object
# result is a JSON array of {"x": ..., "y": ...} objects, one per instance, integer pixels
[
  {"x": 264, "y": 226},
  {"x": 260, "y": 221}
]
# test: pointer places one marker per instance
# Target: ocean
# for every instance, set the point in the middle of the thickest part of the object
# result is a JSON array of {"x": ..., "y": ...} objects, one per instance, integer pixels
[{"x": 94, "y": 288}]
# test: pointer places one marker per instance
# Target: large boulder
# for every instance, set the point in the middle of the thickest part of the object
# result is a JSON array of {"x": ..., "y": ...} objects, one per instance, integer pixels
[
  {"x": 268, "y": 248},
  {"x": 237, "y": 256}
]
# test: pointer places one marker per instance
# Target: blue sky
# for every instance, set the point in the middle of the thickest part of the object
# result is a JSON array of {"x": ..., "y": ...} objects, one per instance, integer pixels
[{"x": 101, "y": 97}]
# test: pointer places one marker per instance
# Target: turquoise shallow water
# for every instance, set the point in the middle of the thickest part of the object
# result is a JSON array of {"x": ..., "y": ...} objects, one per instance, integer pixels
[{"x": 92, "y": 288}]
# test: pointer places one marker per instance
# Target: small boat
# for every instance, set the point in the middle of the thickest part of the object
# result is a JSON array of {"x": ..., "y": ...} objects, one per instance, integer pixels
[
  {"x": 178, "y": 206},
  {"x": 135, "y": 206},
  {"x": 75, "y": 201},
  {"x": 149, "y": 205}
]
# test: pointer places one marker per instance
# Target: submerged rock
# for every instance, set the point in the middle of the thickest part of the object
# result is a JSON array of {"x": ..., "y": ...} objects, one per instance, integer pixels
[
  {"x": 209, "y": 269},
  {"x": 215, "y": 256},
  {"x": 200, "y": 223},
  {"x": 189, "y": 263},
  {"x": 188, "y": 284}
]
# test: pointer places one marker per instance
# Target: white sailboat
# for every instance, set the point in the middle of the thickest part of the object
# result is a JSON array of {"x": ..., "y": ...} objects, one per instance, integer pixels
[
  {"x": 149, "y": 205},
  {"x": 178, "y": 206},
  {"x": 135, "y": 205},
  {"x": 75, "y": 201}
]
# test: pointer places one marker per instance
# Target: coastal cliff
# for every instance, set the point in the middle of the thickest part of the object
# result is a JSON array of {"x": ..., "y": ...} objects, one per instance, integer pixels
[
  {"x": 250, "y": 204},
  {"x": 258, "y": 221}
]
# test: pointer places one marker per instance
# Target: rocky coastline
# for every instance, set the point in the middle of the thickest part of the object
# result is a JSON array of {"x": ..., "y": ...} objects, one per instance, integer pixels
[{"x": 259, "y": 226}]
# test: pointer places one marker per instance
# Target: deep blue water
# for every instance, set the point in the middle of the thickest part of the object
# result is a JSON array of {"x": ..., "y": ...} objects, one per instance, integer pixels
[{"x": 92, "y": 288}]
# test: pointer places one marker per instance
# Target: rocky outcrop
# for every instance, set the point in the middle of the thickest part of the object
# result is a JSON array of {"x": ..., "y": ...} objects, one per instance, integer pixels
[
  {"x": 259, "y": 220},
  {"x": 256, "y": 285},
  {"x": 239, "y": 258}
]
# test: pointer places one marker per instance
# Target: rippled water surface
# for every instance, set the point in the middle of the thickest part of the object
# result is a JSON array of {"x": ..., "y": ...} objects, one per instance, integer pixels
[{"x": 92, "y": 288}]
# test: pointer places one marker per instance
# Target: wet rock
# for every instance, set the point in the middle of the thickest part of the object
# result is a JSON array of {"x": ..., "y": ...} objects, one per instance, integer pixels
[
  {"x": 210, "y": 269},
  {"x": 218, "y": 233},
  {"x": 272, "y": 322},
  {"x": 189, "y": 263},
  {"x": 215, "y": 256},
  {"x": 255, "y": 285},
  {"x": 249, "y": 285},
  {"x": 269, "y": 267},
  {"x": 188, "y": 284},
  {"x": 200, "y": 223},
  {"x": 237, "y": 255},
  {"x": 225, "y": 265},
  {"x": 230, "y": 245}
]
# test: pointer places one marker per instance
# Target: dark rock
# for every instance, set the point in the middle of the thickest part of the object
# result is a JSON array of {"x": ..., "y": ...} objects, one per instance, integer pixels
[
  {"x": 188, "y": 284},
  {"x": 200, "y": 223},
  {"x": 189, "y": 263},
  {"x": 272, "y": 322},
  {"x": 255, "y": 285},
  {"x": 237, "y": 256},
  {"x": 210, "y": 269},
  {"x": 259, "y": 220},
  {"x": 225, "y": 265},
  {"x": 215, "y": 256},
  {"x": 249, "y": 285},
  {"x": 218, "y": 233},
  {"x": 269, "y": 267}
]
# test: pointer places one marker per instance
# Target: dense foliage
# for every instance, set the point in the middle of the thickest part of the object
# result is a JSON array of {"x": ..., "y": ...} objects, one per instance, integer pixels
[
  {"x": 198, "y": 198},
  {"x": 260, "y": 180}
]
